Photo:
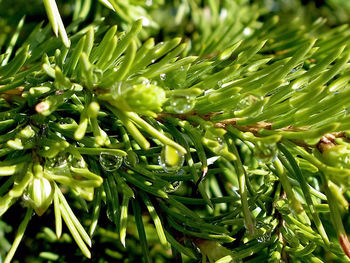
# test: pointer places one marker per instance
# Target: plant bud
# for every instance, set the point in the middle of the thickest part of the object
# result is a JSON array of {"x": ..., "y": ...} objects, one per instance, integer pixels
[
  {"x": 140, "y": 98},
  {"x": 337, "y": 156},
  {"x": 40, "y": 194}
]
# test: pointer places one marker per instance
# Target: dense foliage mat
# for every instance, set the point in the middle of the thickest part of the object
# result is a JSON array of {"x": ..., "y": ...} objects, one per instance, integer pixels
[{"x": 174, "y": 131}]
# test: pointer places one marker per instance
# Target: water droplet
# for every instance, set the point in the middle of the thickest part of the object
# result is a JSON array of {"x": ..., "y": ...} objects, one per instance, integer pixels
[
  {"x": 162, "y": 76},
  {"x": 171, "y": 159},
  {"x": 26, "y": 198},
  {"x": 176, "y": 185},
  {"x": 297, "y": 68},
  {"x": 175, "y": 79},
  {"x": 122, "y": 88},
  {"x": 110, "y": 162},
  {"x": 142, "y": 80},
  {"x": 214, "y": 138},
  {"x": 208, "y": 91},
  {"x": 247, "y": 31},
  {"x": 264, "y": 232},
  {"x": 265, "y": 152},
  {"x": 145, "y": 21},
  {"x": 146, "y": 82},
  {"x": 264, "y": 238},
  {"x": 246, "y": 102},
  {"x": 77, "y": 162},
  {"x": 223, "y": 13},
  {"x": 131, "y": 159},
  {"x": 118, "y": 88},
  {"x": 182, "y": 104},
  {"x": 219, "y": 84},
  {"x": 180, "y": 172},
  {"x": 59, "y": 161}
]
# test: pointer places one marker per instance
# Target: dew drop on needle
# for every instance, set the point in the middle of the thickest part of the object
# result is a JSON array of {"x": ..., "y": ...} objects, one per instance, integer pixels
[
  {"x": 110, "y": 162},
  {"x": 171, "y": 159}
]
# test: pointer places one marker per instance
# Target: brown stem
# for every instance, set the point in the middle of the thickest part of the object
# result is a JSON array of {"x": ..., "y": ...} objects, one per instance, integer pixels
[
  {"x": 345, "y": 244},
  {"x": 327, "y": 140}
]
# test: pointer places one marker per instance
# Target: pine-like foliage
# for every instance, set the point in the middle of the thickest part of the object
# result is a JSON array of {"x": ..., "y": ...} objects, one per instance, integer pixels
[{"x": 174, "y": 131}]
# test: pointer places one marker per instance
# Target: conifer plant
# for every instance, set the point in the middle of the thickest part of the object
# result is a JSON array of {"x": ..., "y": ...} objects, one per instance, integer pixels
[{"x": 174, "y": 131}]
